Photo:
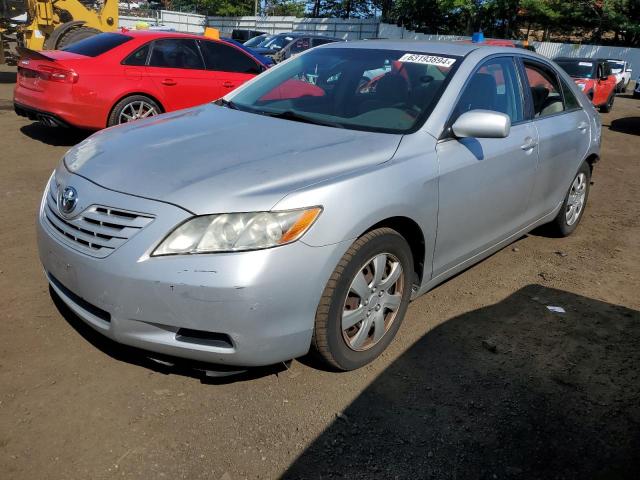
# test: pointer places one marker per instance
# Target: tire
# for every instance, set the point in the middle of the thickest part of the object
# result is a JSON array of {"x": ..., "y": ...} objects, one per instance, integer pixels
[
  {"x": 75, "y": 35},
  {"x": 564, "y": 224},
  {"x": 122, "y": 109},
  {"x": 606, "y": 108},
  {"x": 356, "y": 346}
]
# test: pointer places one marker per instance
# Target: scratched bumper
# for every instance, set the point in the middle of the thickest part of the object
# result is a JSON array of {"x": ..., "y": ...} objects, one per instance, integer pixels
[{"x": 264, "y": 301}]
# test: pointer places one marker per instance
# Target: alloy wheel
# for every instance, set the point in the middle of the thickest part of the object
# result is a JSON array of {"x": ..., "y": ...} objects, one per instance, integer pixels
[
  {"x": 577, "y": 195},
  {"x": 372, "y": 302},
  {"x": 136, "y": 110}
]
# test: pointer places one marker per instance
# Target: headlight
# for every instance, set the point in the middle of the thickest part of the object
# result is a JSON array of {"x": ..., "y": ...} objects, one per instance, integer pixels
[{"x": 233, "y": 232}]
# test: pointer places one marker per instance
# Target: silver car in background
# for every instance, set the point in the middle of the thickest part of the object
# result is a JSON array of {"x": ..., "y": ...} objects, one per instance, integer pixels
[{"x": 307, "y": 208}]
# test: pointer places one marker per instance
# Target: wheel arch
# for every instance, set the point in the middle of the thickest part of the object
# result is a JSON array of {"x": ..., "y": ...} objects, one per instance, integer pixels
[
  {"x": 592, "y": 160},
  {"x": 413, "y": 234},
  {"x": 131, "y": 94}
]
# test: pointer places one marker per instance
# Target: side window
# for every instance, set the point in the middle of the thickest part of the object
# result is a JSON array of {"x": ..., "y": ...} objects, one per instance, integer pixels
[
  {"x": 570, "y": 100},
  {"x": 300, "y": 45},
  {"x": 494, "y": 86},
  {"x": 225, "y": 58},
  {"x": 545, "y": 90},
  {"x": 176, "y": 53},
  {"x": 139, "y": 57},
  {"x": 321, "y": 41}
]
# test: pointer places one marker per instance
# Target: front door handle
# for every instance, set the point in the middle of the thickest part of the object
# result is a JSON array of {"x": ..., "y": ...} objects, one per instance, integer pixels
[
  {"x": 529, "y": 144},
  {"x": 582, "y": 126},
  {"x": 168, "y": 81},
  {"x": 228, "y": 85}
]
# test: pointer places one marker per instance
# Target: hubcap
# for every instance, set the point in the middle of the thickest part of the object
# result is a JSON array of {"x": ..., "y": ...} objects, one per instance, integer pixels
[
  {"x": 136, "y": 110},
  {"x": 575, "y": 203},
  {"x": 373, "y": 301}
]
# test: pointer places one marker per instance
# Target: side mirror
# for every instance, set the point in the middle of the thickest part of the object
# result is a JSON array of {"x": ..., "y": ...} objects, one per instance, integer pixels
[{"x": 482, "y": 124}]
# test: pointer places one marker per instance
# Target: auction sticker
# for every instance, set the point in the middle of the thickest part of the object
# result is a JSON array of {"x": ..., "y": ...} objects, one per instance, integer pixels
[{"x": 427, "y": 60}]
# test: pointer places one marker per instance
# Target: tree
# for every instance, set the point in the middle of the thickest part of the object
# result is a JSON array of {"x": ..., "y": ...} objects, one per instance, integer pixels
[{"x": 293, "y": 8}]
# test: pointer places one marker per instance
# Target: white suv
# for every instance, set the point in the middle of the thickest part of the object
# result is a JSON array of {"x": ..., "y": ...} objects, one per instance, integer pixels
[{"x": 622, "y": 71}]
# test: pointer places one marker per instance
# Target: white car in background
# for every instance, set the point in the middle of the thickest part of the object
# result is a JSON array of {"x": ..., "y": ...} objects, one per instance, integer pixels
[{"x": 622, "y": 70}]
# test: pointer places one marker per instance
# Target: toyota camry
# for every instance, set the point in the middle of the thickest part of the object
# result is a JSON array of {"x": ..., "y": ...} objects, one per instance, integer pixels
[{"x": 305, "y": 210}]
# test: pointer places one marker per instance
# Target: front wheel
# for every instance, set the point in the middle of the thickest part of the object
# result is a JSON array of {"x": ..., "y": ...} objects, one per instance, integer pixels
[
  {"x": 574, "y": 203},
  {"x": 364, "y": 301},
  {"x": 606, "y": 108}
]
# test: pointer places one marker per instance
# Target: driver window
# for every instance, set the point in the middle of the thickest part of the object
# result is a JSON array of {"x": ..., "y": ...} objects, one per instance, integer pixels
[
  {"x": 494, "y": 86},
  {"x": 545, "y": 90}
]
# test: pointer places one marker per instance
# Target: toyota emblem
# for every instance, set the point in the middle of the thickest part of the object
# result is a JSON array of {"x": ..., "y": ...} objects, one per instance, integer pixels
[{"x": 67, "y": 200}]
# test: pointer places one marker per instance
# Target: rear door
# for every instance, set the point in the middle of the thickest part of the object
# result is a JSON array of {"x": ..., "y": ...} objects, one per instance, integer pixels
[
  {"x": 177, "y": 68},
  {"x": 485, "y": 183},
  {"x": 563, "y": 129},
  {"x": 227, "y": 67}
]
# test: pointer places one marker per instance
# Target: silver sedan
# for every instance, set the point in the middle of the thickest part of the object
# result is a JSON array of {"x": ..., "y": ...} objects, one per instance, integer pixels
[{"x": 306, "y": 209}]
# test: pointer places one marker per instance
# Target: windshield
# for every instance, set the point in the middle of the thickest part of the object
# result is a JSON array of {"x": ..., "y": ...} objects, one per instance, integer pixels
[
  {"x": 278, "y": 42},
  {"x": 616, "y": 66},
  {"x": 256, "y": 41},
  {"x": 578, "y": 69},
  {"x": 388, "y": 91}
]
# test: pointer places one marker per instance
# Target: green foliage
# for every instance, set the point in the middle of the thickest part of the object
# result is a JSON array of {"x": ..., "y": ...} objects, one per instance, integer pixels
[{"x": 597, "y": 21}]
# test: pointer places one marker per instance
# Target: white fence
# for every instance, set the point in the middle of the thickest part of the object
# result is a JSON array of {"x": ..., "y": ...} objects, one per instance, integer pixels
[
  {"x": 181, "y": 22},
  {"x": 552, "y": 50},
  {"x": 357, "y": 29},
  {"x": 347, "y": 29}
]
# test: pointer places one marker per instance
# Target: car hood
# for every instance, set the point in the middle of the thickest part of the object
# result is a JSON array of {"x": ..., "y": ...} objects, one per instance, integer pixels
[{"x": 211, "y": 159}]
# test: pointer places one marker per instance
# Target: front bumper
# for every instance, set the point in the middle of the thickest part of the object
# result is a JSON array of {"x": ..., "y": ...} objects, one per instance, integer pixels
[{"x": 246, "y": 308}]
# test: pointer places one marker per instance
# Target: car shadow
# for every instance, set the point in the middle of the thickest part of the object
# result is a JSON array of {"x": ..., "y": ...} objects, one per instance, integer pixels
[
  {"x": 8, "y": 77},
  {"x": 512, "y": 390},
  {"x": 630, "y": 125},
  {"x": 54, "y": 136},
  {"x": 218, "y": 374}
]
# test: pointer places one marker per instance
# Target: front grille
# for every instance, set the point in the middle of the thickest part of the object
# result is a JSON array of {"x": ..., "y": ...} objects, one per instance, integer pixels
[{"x": 98, "y": 230}]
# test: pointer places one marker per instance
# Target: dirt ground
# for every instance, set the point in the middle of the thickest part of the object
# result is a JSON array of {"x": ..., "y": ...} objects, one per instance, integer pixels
[{"x": 483, "y": 381}]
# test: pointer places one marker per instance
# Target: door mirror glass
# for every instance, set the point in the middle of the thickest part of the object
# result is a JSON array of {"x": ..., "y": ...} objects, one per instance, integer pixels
[{"x": 482, "y": 124}]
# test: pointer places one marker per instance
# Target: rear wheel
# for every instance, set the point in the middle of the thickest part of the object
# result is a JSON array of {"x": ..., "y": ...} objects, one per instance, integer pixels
[
  {"x": 133, "y": 108},
  {"x": 75, "y": 35},
  {"x": 365, "y": 300},
  {"x": 574, "y": 203}
]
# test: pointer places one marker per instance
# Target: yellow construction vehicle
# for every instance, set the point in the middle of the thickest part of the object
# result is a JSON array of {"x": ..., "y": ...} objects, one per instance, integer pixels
[{"x": 54, "y": 24}]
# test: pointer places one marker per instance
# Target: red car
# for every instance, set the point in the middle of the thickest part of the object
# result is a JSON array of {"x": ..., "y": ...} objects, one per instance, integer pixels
[
  {"x": 114, "y": 78},
  {"x": 594, "y": 77}
]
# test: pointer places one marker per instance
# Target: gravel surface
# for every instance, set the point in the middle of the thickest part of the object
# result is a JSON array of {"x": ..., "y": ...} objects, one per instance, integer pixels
[{"x": 483, "y": 380}]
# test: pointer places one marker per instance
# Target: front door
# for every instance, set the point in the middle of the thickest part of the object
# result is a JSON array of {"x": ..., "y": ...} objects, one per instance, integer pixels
[
  {"x": 177, "y": 69},
  {"x": 485, "y": 183}
]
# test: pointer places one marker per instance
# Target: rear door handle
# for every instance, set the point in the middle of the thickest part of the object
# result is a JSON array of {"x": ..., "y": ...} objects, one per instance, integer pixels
[
  {"x": 168, "y": 81},
  {"x": 582, "y": 126},
  {"x": 228, "y": 84},
  {"x": 529, "y": 144}
]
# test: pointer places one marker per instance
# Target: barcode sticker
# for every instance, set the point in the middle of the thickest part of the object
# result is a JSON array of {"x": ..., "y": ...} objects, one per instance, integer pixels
[{"x": 427, "y": 60}]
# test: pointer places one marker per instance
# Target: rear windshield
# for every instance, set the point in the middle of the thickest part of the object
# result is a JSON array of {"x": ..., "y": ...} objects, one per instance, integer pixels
[
  {"x": 578, "y": 69},
  {"x": 98, "y": 44}
]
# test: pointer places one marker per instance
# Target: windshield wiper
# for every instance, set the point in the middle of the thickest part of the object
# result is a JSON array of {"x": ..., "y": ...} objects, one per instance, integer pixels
[
  {"x": 226, "y": 103},
  {"x": 291, "y": 115}
]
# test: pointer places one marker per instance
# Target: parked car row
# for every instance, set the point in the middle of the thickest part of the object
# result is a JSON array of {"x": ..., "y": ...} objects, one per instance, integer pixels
[
  {"x": 305, "y": 210},
  {"x": 599, "y": 78},
  {"x": 285, "y": 45}
]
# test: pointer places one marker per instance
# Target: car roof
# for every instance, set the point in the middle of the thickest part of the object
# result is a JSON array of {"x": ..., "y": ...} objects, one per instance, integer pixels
[
  {"x": 578, "y": 59},
  {"x": 441, "y": 48}
]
